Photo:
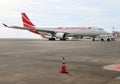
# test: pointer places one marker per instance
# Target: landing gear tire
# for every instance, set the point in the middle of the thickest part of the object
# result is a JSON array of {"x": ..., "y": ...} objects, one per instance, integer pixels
[
  {"x": 62, "y": 39},
  {"x": 51, "y": 39},
  {"x": 93, "y": 39},
  {"x": 102, "y": 39},
  {"x": 108, "y": 39}
]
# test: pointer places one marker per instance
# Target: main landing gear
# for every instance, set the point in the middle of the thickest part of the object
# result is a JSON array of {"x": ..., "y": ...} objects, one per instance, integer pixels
[
  {"x": 52, "y": 39},
  {"x": 93, "y": 39},
  {"x": 62, "y": 39}
]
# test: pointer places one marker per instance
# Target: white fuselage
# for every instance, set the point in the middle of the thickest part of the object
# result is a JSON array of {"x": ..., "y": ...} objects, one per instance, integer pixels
[{"x": 77, "y": 31}]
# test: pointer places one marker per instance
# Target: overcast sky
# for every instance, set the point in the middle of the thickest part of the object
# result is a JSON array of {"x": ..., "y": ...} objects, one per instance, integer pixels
[{"x": 99, "y": 13}]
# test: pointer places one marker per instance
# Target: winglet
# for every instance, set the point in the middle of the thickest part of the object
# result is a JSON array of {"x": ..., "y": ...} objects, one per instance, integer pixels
[{"x": 5, "y": 25}]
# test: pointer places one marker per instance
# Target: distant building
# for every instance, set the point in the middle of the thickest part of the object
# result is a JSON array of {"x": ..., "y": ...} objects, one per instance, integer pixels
[{"x": 116, "y": 34}]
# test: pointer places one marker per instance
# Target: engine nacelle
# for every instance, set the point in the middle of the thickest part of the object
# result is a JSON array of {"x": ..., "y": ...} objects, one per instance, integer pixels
[{"x": 60, "y": 35}]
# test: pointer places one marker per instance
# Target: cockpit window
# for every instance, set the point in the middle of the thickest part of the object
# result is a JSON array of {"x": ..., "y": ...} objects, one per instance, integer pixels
[
  {"x": 89, "y": 27},
  {"x": 100, "y": 29}
]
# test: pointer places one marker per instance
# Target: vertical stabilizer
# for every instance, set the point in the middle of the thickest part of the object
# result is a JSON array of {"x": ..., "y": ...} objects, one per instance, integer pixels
[{"x": 26, "y": 21}]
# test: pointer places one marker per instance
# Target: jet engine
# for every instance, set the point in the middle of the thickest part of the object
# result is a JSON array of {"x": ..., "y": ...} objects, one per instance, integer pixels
[{"x": 60, "y": 35}]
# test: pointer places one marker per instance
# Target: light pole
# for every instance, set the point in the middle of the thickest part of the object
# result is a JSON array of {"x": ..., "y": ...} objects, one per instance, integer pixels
[{"x": 113, "y": 31}]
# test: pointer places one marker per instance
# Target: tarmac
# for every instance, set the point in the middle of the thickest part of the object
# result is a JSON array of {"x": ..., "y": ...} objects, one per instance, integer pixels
[{"x": 34, "y": 61}]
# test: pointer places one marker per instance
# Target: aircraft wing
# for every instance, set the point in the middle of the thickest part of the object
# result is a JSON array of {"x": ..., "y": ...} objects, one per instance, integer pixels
[
  {"x": 31, "y": 29},
  {"x": 16, "y": 27}
]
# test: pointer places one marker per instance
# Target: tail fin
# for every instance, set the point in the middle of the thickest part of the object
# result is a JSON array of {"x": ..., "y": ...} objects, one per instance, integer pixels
[{"x": 26, "y": 21}]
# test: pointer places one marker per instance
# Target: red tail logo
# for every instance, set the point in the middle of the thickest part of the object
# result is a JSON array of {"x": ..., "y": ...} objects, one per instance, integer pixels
[{"x": 26, "y": 21}]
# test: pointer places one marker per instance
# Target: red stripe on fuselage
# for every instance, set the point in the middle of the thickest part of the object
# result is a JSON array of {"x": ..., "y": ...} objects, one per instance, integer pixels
[{"x": 73, "y": 28}]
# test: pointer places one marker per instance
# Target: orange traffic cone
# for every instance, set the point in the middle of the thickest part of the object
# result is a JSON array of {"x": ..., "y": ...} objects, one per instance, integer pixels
[{"x": 63, "y": 67}]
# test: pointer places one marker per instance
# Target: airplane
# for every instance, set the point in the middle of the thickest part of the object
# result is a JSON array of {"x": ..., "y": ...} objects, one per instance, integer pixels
[{"x": 61, "y": 33}]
